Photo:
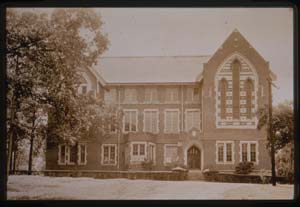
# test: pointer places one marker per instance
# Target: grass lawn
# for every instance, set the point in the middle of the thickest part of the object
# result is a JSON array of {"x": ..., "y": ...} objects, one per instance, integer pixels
[{"x": 40, "y": 187}]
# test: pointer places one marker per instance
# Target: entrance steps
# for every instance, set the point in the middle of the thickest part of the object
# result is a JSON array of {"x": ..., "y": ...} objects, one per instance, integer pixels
[{"x": 195, "y": 175}]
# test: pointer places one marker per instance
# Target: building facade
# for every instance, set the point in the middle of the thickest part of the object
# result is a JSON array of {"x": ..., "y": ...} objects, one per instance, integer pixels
[{"x": 206, "y": 122}]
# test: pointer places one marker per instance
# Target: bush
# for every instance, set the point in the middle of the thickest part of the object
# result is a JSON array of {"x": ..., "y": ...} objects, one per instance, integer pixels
[
  {"x": 244, "y": 168},
  {"x": 147, "y": 165}
]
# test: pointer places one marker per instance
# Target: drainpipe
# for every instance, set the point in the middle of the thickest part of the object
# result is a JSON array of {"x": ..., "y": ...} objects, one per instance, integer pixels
[{"x": 119, "y": 129}]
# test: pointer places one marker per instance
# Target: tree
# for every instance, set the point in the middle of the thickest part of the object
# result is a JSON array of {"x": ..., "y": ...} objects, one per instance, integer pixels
[
  {"x": 283, "y": 124},
  {"x": 45, "y": 53}
]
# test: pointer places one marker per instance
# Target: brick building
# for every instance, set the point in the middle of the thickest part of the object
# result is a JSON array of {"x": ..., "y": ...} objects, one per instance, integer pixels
[{"x": 200, "y": 113}]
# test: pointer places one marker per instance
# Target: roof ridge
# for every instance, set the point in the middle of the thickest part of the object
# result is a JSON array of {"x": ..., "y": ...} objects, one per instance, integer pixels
[{"x": 167, "y": 56}]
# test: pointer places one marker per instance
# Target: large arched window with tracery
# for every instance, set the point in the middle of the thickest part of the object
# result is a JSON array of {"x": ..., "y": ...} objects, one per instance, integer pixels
[
  {"x": 235, "y": 67},
  {"x": 223, "y": 89},
  {"x": 236, "y": 89},
  {"x": 249, "y": 88}
]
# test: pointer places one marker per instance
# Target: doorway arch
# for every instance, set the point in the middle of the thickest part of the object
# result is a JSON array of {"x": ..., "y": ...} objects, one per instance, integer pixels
[{"x": 194, "y": 157}]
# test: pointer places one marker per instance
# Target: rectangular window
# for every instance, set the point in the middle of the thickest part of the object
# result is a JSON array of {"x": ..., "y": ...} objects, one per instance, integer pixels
[
  {"x": 72, "y": 154},
  {"x": 172, "y": 121},
  {"x": 249, "y": 151},
  {"x": 252, "y": 152},
  {"x": 109, "y": 154},
  {"x": 151, "y": 121},
  {"x": 138, "y": 151},
  {"x": 151, "y": 152},
  {"x": 244, "y": 152},
  {"x": 82, "y": 154},
  {"x": 192, "y": 119},
  {"x": 225, "y": 152},
  {"x": 193, "y": 95},
  {"x": 151, "y": 95},
  {"x": 220, "y": 152},
  {"x": 171, "y": 153},
  {"x": 130, "y": 120},
  {"x": 172, "y": 95},
  {"x": 130, "y": 95}
]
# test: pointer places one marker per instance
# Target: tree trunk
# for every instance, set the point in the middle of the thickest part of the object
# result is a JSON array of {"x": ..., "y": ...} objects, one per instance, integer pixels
[
  {"x": 30, "y": 154},
  {"x": 15, "y": 158}
]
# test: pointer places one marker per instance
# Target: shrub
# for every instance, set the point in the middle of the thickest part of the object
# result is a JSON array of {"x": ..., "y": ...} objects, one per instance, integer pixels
[
  {"x": 244, "y": 168},
  {"x": 147, "y": 165}
]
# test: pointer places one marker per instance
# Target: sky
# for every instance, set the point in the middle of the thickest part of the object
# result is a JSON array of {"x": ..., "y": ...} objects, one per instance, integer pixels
[{"x": 201, "y": 31}]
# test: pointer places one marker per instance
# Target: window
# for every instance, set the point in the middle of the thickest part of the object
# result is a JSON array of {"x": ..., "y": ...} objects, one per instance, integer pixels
[
  {"x": 172, "y": 121},
  {"x": 151, "y": 120},
  {"x": 82, "y": 89},
  {"x": 151, "y": 152},
  {"x": 109, "y": 152},
  {"x": 249, "y": 89},
  {"x": 225, "y": 152},
  {"x": 193, "y": 95},
  {"x": 223, "y": 88},
  {"x": 192, "y": 119},
  {"x": 69, "y": 155},
  {"x": 170, "y": 153},
  {"x": 138, "y": 151},
  {"x": 236, "y": 67},
  {"x": 130, "y": 95},
  {"x": 110, "y": 96},
  {"x": 82, "y": 150},
  {"x": 172, "y": 95},
  {"x": 130, "y": 120},
  {"x": 151, "y": 95},
  {"x": 249, "y": 151}
]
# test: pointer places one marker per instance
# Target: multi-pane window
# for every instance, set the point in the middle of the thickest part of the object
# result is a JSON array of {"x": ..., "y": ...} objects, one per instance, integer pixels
[
  {"x": 172, "y": 121},
  {"x": 151, "y": 152},
  {"x": 130, "y": 95},
  {"x": 223, "y": 88},
  {"x": 172, "y": 95},
  {"x": 225, "y": 152},
  {"x": 71, "y": 154},
  {"x": 110, "y": 96},
  {"x": 151, "y": 95},
  {"x": 192, "y": 119},
  {"x": 236, "y": 67},
  {"x": 193, "y": 94},
  {"x": 151, "y": 120},
  {"x": 249, "y": 151},
  {"x": 171, "y": 153},
  {"x": 82, "y": 151},
  {"x": 130, "y": 120},
  {"x": 138, "y": 151},
  {"x": 249, "y": 88},
  {"x": 109, "y": 152}
]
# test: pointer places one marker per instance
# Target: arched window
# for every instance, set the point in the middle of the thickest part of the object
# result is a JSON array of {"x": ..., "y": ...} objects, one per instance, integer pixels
[
  {"x": 249, "y": 87},
  {"x": 236, "y": 67},
  {"x": 223, "y": 87}
]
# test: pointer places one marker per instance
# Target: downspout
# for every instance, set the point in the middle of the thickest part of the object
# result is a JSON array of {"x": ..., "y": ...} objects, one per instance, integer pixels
[{"x": 119, "y": 129}]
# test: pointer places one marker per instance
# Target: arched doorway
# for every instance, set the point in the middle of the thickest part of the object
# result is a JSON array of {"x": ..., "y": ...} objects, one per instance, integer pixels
[{"x": 194, "y": 158}]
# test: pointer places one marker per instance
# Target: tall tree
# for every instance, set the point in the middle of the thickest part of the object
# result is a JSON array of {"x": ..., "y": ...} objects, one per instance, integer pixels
[{"x": 45, "y": 53}]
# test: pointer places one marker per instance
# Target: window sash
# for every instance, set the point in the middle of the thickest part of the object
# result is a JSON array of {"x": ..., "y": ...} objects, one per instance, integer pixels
[
  {"x": 172, "y": 122},
  {"x": 192, "y": 119},
  {"x": 151, "y": 121},
  {"x": 151, "y": 95},
  {"x": 130, "y": 121},
  {"x": 172, "y": 95},
  {"x": 109, "y": 155},
  {"x": 130, "y": 95}
]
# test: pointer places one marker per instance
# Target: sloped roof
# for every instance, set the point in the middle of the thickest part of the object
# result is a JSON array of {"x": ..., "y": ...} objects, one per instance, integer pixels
[{"x": 154, "y": 69}]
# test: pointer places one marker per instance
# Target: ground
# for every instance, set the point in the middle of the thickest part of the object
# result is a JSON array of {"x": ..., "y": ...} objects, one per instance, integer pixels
[{"x": 40, "y": 187}]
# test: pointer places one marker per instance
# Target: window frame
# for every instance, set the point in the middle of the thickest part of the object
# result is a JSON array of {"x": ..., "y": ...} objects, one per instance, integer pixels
[
  {"x": 136, "y": 120},
  {"x": 165, "y": 153},
  {"x": 157, "y": 120},
  {"x": 134, "y": 100},
  {"x": 109, "y": 154},
  {"x": 224, "y": 143},
  {"x": 168, "y": 90},
  {"x": 138, "y": 157},
  {"x": 249, "y": 151},
  {"x": 185, "y": 119},
  {"x": 153, "y": 99},
  {"x": 165, "y": 120},
  {"x": 79, "y": 154}
]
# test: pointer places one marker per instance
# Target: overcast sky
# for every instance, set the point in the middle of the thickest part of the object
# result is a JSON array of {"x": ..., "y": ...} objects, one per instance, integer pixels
[{"x": 199, "y": 31}]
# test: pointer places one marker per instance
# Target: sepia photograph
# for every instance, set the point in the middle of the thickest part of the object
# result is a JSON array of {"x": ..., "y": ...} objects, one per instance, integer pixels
[{"x": 150, "y": 103}]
